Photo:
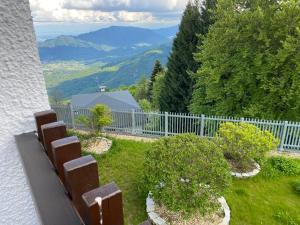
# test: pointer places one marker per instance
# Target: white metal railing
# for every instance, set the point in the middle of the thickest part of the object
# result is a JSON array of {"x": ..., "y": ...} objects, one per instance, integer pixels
[{"x": 164, "y": 124}]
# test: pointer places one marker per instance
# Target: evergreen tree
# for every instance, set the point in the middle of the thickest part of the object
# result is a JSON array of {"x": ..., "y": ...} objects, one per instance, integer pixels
[
  {"x": 156, "y": 70},
  {"x": 179, "y": 83},
  {"x": 251, "y": 61}
]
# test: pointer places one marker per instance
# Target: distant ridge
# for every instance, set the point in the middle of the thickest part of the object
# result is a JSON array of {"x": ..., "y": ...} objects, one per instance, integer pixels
[{"x": 107, "y": 44}]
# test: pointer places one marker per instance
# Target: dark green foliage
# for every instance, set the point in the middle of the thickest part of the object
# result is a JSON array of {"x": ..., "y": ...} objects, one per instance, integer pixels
[
  {"x": 278, "y": 166},
  {"x": 286, "y": 166},
  {"x": 156, "y": 70},
  {"x": 296, "y": 186},
  {"x": 178, "y": 81},
  {"x": 186, "y": 173},
  {"x": 251, "y": 61}
]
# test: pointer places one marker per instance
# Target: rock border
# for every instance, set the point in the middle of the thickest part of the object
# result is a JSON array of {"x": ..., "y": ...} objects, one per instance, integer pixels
[
  {"x": 157, "y": 220},
  {"x": 108, "y": 146},
  {"x": 249, "y": 174}
]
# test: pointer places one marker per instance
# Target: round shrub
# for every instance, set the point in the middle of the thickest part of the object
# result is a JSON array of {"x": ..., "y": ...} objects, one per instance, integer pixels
[
  {"x": 243, "y": 142},
  {"x": 186, "y": 173}
]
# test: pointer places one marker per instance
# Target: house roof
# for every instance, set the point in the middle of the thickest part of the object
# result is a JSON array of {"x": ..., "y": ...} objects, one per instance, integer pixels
[{"x": 117, "y": 101}]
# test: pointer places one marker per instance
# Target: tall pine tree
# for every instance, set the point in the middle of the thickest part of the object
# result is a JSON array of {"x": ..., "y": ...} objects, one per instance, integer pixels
[
  {"x": 156, "y": 70},
  {"x": 179, "y": 83}
]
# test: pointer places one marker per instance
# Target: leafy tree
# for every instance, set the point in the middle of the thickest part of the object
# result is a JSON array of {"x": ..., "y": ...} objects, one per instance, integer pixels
[
  {"x": 145, "y": 105},
  {"x": 142, "y": 89},
  {"x": 158, "y": 86},
  {"x": 156, "y": 70},
  {"x": 251, "y": 61},
  {"x": 179, "y": 83},
  {"x": 100, "y": 116}
]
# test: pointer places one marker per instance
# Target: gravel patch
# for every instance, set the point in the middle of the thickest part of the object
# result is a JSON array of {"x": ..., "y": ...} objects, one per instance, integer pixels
[{"x": 99, "y": 145}]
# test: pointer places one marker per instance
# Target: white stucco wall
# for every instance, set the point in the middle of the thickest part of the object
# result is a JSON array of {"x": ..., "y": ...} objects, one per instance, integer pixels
[{"x": 22, "y": 92}]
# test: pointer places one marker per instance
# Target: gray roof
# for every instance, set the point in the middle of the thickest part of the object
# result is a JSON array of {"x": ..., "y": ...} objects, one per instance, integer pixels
[{"x": 117, "y": 101}]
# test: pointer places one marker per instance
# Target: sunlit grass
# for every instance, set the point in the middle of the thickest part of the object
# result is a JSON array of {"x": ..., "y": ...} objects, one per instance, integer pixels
[{"x": 252, "y": 201}]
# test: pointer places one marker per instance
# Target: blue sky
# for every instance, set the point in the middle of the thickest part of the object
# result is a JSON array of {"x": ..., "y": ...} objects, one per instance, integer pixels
[{"x": 78, "y": 16}]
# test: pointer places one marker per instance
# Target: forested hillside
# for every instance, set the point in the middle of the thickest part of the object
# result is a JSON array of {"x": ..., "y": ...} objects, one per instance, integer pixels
[{"x": 76, "y": 77}]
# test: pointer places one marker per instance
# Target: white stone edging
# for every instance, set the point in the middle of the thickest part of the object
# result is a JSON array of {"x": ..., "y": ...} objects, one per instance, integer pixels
[
  {"x": 249, "y": 174},
  {"x": 157, "y": 220},
  {"x": 108, "y": 142}
]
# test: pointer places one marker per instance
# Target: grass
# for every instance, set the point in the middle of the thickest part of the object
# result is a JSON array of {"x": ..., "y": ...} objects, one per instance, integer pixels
[
  {"x": 252, "y": 201},
  {"x": 261, "y": 201},
  {"x": 123, "y": 164}
]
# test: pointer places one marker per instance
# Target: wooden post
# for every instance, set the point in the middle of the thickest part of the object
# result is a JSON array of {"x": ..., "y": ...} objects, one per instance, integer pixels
[
  {"x": 104, "y": 204},
  {"x": 42, "y": 118},
  {"x": 65, "y": 150},
  {"x": 52, "y": 132},
  {"x": 81, "y": 176}
]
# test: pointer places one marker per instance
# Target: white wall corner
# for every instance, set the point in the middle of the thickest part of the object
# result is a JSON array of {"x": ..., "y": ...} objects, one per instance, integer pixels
[{"x": 22, "y": 92}]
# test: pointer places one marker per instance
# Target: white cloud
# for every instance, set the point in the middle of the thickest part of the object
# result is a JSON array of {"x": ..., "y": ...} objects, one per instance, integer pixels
[
  {"x": 128, "y": 5},
  {"x": 106, "y": 11}
]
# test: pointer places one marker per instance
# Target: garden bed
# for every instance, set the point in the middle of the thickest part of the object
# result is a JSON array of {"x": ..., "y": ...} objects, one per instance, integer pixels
[
  {"x": 252, "y": 201},
  {"x": 238, "y": 172},
  {"x": 160, "y": 215}
]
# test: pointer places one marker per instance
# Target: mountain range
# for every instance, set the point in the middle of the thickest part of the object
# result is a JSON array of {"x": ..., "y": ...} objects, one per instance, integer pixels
[
  {"x": 113, "y": 56},
  {"x": 106, "y": 45}
]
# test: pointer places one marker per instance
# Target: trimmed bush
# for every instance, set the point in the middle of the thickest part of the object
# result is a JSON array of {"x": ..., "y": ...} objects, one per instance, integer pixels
[
  {"x": 243, "y": 142},
  {"x": 186, "y": 173}
]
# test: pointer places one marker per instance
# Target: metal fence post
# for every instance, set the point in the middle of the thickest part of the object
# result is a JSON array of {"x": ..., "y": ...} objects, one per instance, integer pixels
[
  {"x": 166, "y": 123},
  {"x": 133, "y": 121},
  {"x": 202, "y": 125},
  {"x": 282, "y": 140},
  {"x": 72, "y": 116}
]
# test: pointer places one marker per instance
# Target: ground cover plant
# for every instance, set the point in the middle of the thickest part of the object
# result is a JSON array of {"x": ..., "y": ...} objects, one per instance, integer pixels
[
  {"x": 242, "y": 143},
  {"x": 259, "y": 200}
]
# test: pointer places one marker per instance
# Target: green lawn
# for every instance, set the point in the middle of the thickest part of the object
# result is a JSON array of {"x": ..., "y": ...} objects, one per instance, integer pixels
[
  {"x": 253, "y": 201},
  {"x": 123, "y": 164}
]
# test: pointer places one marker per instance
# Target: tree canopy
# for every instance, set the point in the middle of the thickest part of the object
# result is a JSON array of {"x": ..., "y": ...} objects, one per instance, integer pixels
[
  {"x": 251, "y": 61},
  {"x": 158, "y": 68},
  {"x": 179, "y": 83}
]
